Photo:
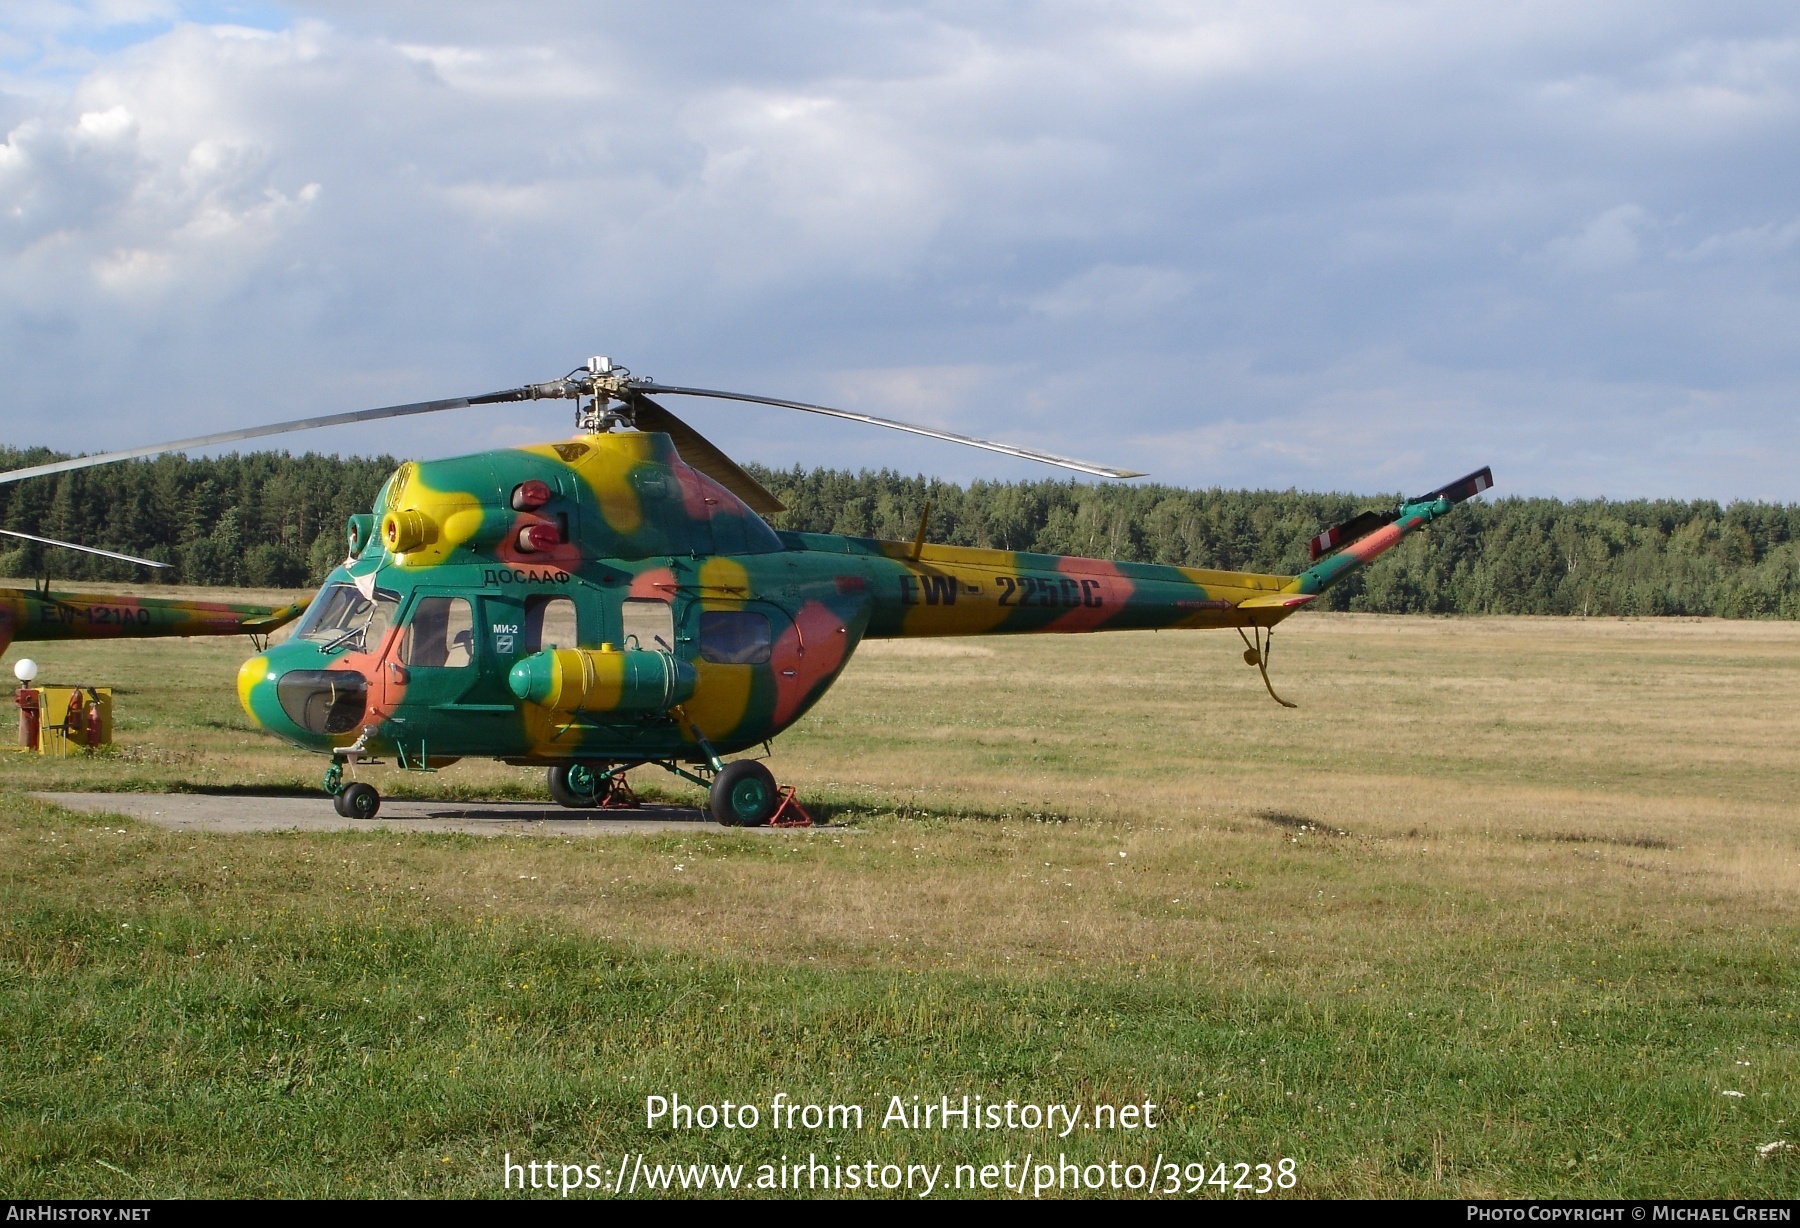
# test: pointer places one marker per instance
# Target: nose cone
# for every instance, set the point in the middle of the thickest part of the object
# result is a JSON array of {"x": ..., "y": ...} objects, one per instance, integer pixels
[
  {"x": 310, "y": 707},
  {"x": 322, "y": 702},
  {"x": 254, "y": 675}
]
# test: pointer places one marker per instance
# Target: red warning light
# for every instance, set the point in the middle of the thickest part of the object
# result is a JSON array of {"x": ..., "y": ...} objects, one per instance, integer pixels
[
  {"x": 529, "y": 496},
  {"x": 537, "y": 537}
]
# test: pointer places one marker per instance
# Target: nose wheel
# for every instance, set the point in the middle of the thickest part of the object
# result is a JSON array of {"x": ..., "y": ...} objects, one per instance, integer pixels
[{"x": 357, "y": 801}]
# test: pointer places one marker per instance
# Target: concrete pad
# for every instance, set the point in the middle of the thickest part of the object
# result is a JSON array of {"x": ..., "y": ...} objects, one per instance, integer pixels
[{"x": 239, "y": 813}]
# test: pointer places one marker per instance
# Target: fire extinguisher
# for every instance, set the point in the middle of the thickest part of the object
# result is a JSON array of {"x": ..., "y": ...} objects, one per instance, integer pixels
[{"x": 75, "y": 722}]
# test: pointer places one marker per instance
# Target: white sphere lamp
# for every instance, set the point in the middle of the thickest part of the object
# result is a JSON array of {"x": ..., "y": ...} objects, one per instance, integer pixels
[{"x": 25, "y": 669}]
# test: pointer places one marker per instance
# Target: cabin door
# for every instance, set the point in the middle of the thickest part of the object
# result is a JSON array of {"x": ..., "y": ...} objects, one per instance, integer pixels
[{"x": 430, "y": 671}]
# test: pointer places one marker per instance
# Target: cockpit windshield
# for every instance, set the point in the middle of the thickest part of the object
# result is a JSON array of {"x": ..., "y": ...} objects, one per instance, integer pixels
[{"x": 341, "y": 617}]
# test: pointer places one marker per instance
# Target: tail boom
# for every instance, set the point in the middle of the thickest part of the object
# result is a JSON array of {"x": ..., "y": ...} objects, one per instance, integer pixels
[
  {"x": 27, "y": 614},
  {"x": 920, "y": 591}
]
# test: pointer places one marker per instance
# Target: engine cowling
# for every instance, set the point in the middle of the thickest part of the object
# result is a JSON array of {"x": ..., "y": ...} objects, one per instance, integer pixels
[{"x": 602, "y": 680}]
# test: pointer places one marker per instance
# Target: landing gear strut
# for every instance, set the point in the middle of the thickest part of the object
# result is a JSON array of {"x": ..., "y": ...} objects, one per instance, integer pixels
[
  {"x": 741, "y": 794},
  {"x": 354, "y": 800},
  {"x": 582, "y": 786}
]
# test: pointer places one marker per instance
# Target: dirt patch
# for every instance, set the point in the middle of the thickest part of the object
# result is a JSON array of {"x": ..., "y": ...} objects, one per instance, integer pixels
[
  {"x": 1575, "y": 837},
  {"x": 1299, "y": 823}
]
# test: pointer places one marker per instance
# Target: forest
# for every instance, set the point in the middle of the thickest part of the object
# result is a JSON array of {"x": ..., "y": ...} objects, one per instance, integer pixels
[{"x": 271, "y": 519}]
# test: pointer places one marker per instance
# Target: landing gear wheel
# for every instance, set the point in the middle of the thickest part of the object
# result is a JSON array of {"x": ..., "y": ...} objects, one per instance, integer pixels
[
  {"x": 358, "y": 801},
  {"x": 743, "y": 795},
  {"x": 575, "y": 785}
]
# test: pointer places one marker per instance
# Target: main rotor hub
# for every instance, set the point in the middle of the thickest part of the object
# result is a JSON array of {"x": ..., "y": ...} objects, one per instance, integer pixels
[{"x": 601, "y": 391}]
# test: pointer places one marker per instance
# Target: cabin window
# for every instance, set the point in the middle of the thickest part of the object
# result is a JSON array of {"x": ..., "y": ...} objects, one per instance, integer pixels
[
  {"x": 440, "y": 635},
  {"x": 734, "y": 637},
  {"x": 550, "y": 623},
  {"x": 649, "y": 625}
]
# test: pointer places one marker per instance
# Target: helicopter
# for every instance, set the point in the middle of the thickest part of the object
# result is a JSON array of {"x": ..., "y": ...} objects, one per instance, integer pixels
[
  {"x": 616, "y": 600},
  {"x": 38, "y": 613}
]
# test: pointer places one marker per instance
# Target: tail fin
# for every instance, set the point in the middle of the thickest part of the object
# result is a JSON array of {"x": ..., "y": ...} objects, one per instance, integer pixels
[
  {"x": 1465, "y": 487},
  {"x": 1372, "y": 533}
]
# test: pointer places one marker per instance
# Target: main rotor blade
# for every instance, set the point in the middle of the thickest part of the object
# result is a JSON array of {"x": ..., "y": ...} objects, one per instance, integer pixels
[
  {"x": 701, "y": 453},
  {"x": 257, "y": 432},
  {"x": 111, "y": 554},
  {"x": 1048, "y": 458}
]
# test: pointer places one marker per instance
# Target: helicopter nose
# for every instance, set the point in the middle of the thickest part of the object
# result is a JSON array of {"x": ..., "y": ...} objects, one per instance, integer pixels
[
  {"x": 307, "y": 706},
  {"x": 323, "y": 701},
  {"x": 255, "y": 686}
]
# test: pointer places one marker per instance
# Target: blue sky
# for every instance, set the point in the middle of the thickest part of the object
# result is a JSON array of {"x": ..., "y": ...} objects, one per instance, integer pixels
[{"x": 1326, "y": 245}]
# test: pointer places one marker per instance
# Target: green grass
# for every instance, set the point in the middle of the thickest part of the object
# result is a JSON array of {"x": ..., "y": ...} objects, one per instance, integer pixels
[{"x": 1505, "y": 909}]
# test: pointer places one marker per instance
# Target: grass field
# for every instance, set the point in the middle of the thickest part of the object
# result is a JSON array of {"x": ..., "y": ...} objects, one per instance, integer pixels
[{"x": 1506, "y": 907}]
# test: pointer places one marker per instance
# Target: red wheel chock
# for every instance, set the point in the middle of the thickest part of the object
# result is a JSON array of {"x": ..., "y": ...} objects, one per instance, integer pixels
[
  {"x": 619, "y": 795},
  {"x": 790, "y": 813}
]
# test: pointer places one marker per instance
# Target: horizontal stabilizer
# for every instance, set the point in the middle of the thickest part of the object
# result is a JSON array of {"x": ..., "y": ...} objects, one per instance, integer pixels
[
  {"x": 265, "y": 623},
  {"x": 1276, "y": 601},
  {"x": 1463, "y": 488},
  {"x": 1349, "y": 531}
]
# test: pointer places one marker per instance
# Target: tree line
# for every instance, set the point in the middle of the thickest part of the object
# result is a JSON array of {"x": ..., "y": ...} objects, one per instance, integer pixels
[
  {"x": 262, "y": 519},
  {"x": 271, "y": 519}
]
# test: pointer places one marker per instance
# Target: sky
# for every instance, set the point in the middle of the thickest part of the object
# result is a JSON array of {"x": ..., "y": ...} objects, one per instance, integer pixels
[{"x": 1334, "y": 246}]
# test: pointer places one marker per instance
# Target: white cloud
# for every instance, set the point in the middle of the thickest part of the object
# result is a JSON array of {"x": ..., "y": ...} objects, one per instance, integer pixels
[
  {"x": 105, "y": 126},
  {"x": 1198, "y": 238},
  {"x": 133, "y": 189},
  {"x": 1609, "y": 241},
  {"x": 1113, "y": 291},
  {"x": 1768, "y": 241}
]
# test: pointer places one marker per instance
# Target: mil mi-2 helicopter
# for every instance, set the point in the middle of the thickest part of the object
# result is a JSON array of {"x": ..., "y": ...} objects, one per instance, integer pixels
[
  {"x": 41, "y": 614},
  {"x": 616, "y": 600}
]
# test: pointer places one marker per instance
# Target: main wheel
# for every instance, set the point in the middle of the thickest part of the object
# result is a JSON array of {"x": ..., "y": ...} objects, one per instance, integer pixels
[
  {"x": 337, "y": 803},
  {"x": 575, "y": 785},
  {"x": 358, "y": 801},
  {"x": 743, "y": 795}
]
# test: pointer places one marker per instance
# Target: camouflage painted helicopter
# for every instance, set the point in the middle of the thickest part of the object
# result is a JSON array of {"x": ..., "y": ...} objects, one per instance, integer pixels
[
  {"x": 40, "y": 614},
  {"x": 616, "y": 600}
]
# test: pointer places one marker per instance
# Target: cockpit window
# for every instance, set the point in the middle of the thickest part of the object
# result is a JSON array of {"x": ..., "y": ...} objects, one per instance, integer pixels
[{"x": 340, "y": 616}]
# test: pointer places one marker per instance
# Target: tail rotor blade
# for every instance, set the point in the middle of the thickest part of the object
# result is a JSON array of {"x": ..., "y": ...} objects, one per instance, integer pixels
[
  {"x": 1350, "y": 530},
  {"x": 1465, "y": 487}
]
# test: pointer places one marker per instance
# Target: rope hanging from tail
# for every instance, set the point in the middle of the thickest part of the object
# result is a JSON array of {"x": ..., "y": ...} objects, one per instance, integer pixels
[{"x": 1257, "y": 654}]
